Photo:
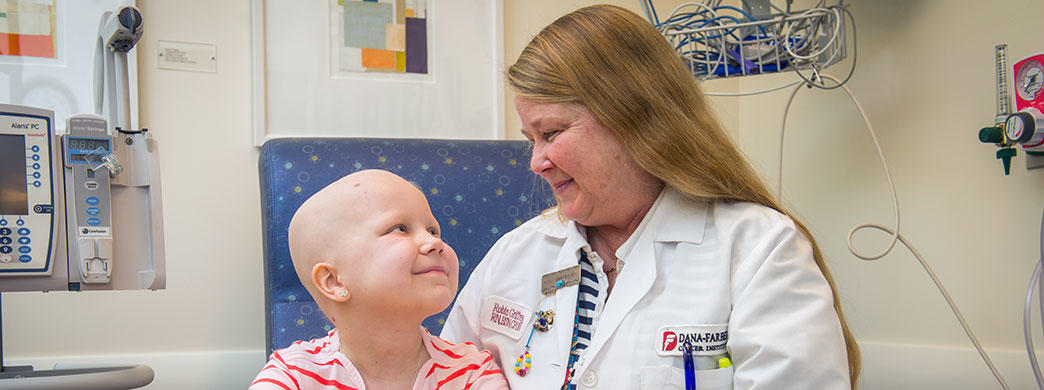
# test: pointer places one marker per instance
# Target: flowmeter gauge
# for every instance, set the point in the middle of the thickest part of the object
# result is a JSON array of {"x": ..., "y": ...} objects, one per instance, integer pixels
[{"x": 1028, "y": 79}]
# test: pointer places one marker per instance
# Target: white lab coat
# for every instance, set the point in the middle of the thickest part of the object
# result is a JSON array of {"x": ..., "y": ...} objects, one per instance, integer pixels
[{"x": 738, "y": 265}]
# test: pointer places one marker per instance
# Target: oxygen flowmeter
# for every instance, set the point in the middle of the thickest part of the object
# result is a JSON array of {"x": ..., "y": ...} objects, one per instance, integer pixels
[{"x": 1024, "y": 127}]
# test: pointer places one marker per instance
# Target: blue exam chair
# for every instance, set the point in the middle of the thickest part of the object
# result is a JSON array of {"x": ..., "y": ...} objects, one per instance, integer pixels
[{"x": 478, "y": 190}]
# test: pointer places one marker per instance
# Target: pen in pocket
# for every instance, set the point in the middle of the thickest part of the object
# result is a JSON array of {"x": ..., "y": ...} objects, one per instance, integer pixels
[{"x": 690, "y": 369}]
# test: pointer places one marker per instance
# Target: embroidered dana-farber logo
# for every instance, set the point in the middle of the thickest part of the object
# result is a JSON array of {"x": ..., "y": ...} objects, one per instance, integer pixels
[{"x": 670, "y": 341}]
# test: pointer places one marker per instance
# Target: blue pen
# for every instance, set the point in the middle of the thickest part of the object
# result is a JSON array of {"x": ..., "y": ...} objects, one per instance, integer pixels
[{"x": 690, "y": 369}]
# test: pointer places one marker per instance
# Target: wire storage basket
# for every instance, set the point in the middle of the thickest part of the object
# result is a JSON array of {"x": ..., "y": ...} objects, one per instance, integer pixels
[{"x": 724, "y": 41}]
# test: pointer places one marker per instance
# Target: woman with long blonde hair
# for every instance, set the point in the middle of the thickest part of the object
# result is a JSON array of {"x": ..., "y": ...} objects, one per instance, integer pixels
[{"x": 666, "y": 261}]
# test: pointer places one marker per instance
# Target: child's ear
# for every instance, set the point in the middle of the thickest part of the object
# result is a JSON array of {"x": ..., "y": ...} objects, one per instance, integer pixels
[{"x": 324, "y": 276}]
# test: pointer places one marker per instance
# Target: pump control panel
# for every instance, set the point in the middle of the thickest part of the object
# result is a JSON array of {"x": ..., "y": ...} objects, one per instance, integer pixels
[
  {"x": 88, "y": 154},
  {"x": 27, "y": 192}
]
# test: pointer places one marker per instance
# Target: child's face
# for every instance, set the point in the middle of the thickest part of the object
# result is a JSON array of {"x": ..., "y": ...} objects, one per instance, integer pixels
[{"x": 396, "y": 260}]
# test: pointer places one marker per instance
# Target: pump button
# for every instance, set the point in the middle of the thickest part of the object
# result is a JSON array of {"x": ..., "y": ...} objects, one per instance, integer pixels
[
  {"x": 104, "y": 248},
  {"x": 94, "y": 221},
  {"x": 91, "y": 200},
  {"x": 86, "y": 248}
]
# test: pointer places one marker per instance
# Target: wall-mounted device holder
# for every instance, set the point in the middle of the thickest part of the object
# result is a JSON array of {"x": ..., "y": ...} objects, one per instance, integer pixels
[
  {"x": 82, "y": 211},
  {"x": 86, "y": 211}
]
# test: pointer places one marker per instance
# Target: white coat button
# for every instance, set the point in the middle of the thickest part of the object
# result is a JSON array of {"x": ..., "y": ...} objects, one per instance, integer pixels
[{"x": 589, "y": 379}]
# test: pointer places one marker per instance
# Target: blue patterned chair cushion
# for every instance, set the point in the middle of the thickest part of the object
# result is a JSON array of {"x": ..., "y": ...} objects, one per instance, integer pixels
[{"x": 478, "y": 190}]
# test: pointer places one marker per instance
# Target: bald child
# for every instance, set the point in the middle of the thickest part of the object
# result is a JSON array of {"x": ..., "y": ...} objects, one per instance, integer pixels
[{"x": 368, "y": 250}]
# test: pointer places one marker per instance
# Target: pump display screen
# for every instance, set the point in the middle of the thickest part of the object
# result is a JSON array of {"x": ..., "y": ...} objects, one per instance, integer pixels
[
  {"x": 14, "y": 195},
  {"x": 91, "y": 144},
  {"x": 84, "y": 150}
]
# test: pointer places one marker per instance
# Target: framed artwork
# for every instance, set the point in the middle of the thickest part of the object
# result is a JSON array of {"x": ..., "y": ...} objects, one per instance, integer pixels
[
  {"x": 370, "y": 36},
  {"x": 28, "y": 28},
  {"x": 378, "y": 68},
  {"x": 47, "y": 50}
]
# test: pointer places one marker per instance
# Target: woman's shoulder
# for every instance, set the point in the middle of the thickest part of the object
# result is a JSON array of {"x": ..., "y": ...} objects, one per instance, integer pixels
[
  {"x": 748, "y": 215},
  {"x": 547, "y": 223},
  {"x": 744, "y": 225}
]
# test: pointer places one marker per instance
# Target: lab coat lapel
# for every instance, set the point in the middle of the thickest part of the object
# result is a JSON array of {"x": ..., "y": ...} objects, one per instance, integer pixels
[
  {"x": 631, "y": 285},
  {"x": 672, "y": 218},
  {"x": 636, "y": 277}
]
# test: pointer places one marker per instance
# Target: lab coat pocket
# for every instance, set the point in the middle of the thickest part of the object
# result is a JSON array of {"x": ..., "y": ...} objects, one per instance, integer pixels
[
  {"x": 718, "y": 379},
  {"x": 662, "y": 377},
  {"x": 673, "y": 378}
]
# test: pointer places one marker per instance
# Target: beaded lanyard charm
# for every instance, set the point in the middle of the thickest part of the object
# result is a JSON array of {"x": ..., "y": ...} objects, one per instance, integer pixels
[
  {"x": 523, "y": 361},
  {"x": 544, "y": 320}
]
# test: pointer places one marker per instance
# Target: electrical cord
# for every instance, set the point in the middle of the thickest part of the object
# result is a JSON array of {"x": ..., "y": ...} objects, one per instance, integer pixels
[
  {"x": 1027, "y": 327},
  {"x": 896, "y": 237},
  {"x": 758, "y": 92},
  {"x": 855, "y": 57},
  {"x": 1026, "y": 311},
  {"x": 804, "y": 81},
  {"x": 708, "y": 39},
  {"x": 880, "y": 154},
  {"x": 837, "y": 28}
]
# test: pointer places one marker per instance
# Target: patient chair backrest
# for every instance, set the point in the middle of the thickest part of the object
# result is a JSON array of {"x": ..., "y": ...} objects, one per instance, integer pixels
[{"x": 478, "y": 190}]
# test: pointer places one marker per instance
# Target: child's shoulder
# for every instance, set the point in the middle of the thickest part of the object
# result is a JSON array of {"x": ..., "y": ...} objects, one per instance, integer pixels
[
  {"x": 445, "y": 350},
  {"x": 312, "y": 349},
  {"x": 462, "y": 366}
]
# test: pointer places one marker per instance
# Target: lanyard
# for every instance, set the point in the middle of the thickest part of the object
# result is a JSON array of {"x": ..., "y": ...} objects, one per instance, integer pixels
[{"x": 575, "y": 347}]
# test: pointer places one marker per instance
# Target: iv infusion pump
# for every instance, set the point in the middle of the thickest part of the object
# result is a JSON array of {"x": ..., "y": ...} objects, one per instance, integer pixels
[{"x": 66, "y": 223}]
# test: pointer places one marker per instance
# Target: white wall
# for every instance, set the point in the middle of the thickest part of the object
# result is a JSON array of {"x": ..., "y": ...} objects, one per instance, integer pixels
[
  {"x": 925, "y": 76},
  {"x": 206, "y": 330}
]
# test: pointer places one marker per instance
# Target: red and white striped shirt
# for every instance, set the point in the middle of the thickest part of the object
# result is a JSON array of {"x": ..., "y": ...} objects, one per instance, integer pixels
[{"x": 319, "y": 364}]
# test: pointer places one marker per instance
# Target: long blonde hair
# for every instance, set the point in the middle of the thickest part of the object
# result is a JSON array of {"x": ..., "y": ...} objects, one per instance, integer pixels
[{"x": 618, "y": 66}]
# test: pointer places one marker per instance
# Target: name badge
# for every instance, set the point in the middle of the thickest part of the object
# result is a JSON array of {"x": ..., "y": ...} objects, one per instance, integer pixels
[
  {"x": 553, "y": 281},
  {"x": 706, "y": 340},
  {"x": 505, "y": 317}
]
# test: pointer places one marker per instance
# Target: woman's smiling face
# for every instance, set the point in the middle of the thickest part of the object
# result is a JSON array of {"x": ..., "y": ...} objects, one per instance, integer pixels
[{"x": 594, "y": 178}]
